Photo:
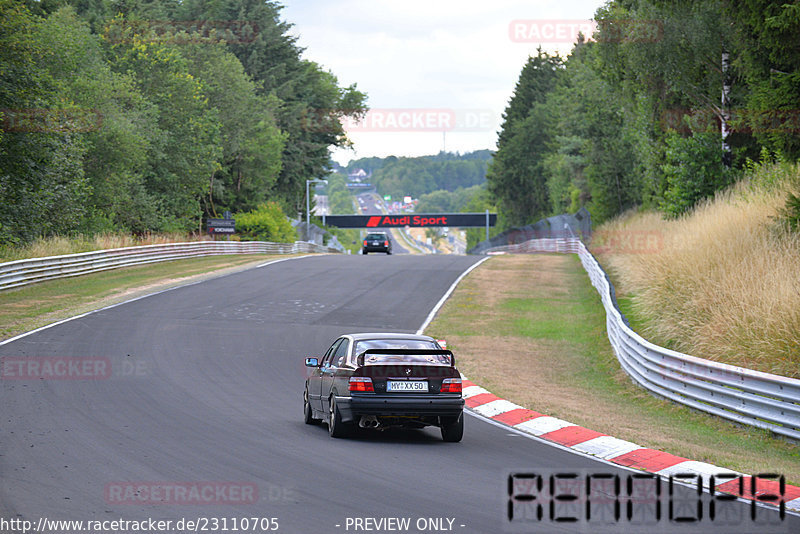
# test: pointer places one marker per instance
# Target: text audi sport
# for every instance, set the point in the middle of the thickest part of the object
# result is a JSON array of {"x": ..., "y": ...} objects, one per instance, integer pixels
[
  {"x": 385, "y": 380},
  {"x": 407, "y": 220}
]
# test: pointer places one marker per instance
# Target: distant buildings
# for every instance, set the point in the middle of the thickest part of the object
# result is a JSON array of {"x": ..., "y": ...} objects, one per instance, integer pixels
[{"x": 358, "y": 175}]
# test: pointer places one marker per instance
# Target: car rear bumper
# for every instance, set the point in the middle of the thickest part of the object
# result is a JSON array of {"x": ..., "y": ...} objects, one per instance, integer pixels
[{"x": 352, "y": 408}]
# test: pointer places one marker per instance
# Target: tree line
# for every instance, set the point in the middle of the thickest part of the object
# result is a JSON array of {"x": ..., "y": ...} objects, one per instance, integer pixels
[
  {"x": 149, "y": 116},
  {"x": 664, "y": 106},
  {"x": 416, "y": 176}
]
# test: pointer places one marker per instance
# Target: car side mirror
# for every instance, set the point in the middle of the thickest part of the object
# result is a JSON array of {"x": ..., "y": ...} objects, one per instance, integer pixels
[{"x": 312, "y": 362}]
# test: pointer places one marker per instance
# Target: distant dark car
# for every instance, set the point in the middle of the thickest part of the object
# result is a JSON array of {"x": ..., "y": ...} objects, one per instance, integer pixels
[
  {"x": 382, "y": 381},
  {"x": 377, "y": 242}
]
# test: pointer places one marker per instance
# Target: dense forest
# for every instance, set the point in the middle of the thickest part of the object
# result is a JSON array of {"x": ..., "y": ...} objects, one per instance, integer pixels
[
  {"x": 664, "y": 106},
  {"x": 147, "y": 116},
  {"x": 416, "y": 176}
]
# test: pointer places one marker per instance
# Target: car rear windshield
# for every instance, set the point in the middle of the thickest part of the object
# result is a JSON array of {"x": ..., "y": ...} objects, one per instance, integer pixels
[
  {"x": 381, "y": 237},
  {"x": 436, "y": 359}
]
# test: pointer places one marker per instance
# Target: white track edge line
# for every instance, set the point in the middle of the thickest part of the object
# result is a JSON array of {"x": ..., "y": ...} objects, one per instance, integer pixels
[
  {"x": 442, "y": 300},
  {"x": 62, "y": 321},
  {"x": 489, "y": 420}
]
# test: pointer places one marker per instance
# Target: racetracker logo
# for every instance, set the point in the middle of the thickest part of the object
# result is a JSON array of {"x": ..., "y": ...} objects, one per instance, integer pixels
[
  {"x": 43, "y": 120},
  {"x": 54, "y": 368},
  {"x": 182, "y": 31},
  {"x": 553, "y": 31},
  {"x": 627, "y": 242},
  {"x": 400, "y": 120},
  {"x": 188, "y": 493},
  {"x": 739, "y": 120}
]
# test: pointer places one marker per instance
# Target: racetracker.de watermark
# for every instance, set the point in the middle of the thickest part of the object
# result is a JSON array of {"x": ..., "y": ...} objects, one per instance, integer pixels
[
  {"x": 182, "y": 31},
  {"x": 48, "y": 120},
  {"x": 55, "y": 368},
  {"x": 181, "y": 493},
  {"x": 627, "y": 242},
  {"x": 403, "y": 120},
  {"x": 554, "y": 31},
  {"x": 745, "y": 121}
]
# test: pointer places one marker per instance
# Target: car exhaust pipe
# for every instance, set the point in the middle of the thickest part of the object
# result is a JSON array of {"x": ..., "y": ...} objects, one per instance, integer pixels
[{"x": 369, "y": 421}]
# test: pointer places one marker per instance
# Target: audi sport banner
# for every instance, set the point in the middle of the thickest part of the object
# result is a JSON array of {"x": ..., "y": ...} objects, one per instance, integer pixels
[{"x": 417, "y": 220}]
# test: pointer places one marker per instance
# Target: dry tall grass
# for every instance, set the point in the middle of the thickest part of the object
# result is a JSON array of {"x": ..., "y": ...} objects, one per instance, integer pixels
[
  {"x": 724, "y": 282},
  {"x": 56, "y": 246}
]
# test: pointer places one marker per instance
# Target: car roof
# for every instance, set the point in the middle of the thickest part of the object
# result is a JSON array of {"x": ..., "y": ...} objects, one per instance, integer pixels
[{"x": 386, "y": 335}]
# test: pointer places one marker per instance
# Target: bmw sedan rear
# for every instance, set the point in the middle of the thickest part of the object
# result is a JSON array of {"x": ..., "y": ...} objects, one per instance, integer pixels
[{"x": 380, "y": 381}]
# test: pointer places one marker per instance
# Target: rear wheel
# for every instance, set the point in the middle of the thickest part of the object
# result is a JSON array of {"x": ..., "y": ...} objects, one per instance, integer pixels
[
  {"x": 453, "y": 429},
  {"x": 308, "y": 413},
  {"x": 336, "y": 428}
]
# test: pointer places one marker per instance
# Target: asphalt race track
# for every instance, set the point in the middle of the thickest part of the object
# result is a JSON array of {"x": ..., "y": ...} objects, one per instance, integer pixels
[
  {"x": 368, "y": 208},
  {"x": 206, "y": 387}
]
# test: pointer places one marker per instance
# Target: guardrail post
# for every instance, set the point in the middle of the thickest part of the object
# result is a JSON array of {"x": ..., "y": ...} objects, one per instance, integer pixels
[{"x": 755, "y": 398}]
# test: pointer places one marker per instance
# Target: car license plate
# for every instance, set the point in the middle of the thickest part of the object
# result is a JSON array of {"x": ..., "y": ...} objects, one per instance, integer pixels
[
  {"x": 409, "y": 386},
  {"x": 376, "y": 243}
]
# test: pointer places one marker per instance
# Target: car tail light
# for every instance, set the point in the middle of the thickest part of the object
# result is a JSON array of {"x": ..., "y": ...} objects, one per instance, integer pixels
[
  {"x": 385, "y": 243},
  {"x": 365, "y": 242},
  {"x": 451, "y": 385},
  {"x": 364, "y": 384}
]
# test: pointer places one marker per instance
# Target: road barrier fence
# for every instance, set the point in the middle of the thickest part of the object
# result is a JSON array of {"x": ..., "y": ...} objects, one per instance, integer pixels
[
  {"x": 28, "y": 271},
  {"x": 755, "y": 398}
]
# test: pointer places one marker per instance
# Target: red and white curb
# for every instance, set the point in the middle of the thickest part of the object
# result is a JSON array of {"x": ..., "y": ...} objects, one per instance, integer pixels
[{"x": 618, "y": 451}]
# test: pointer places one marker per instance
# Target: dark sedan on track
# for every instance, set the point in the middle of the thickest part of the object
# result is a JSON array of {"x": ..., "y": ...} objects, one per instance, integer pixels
[
  {"x": 377, "y": 242},
  {"x": 382, "y": 381}
]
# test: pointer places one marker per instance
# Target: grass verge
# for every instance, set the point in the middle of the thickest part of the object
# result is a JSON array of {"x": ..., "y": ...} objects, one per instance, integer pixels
[
  {"x": 531, "y": 329},
  {"x": 720, "y": 282},
  {"x": 31, "y": 307}
]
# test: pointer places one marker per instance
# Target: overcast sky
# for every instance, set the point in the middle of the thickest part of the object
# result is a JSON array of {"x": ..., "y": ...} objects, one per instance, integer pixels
[{"x": 438, "y": 73}]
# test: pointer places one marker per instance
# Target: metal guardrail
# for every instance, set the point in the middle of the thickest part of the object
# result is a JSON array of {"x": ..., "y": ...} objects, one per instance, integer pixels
[
  {"x": 563, "y": 245},
  {"x": 762, "y": 400},
  {"x": 578, "y": 224},
  {"x": 23, "y": 272}
]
